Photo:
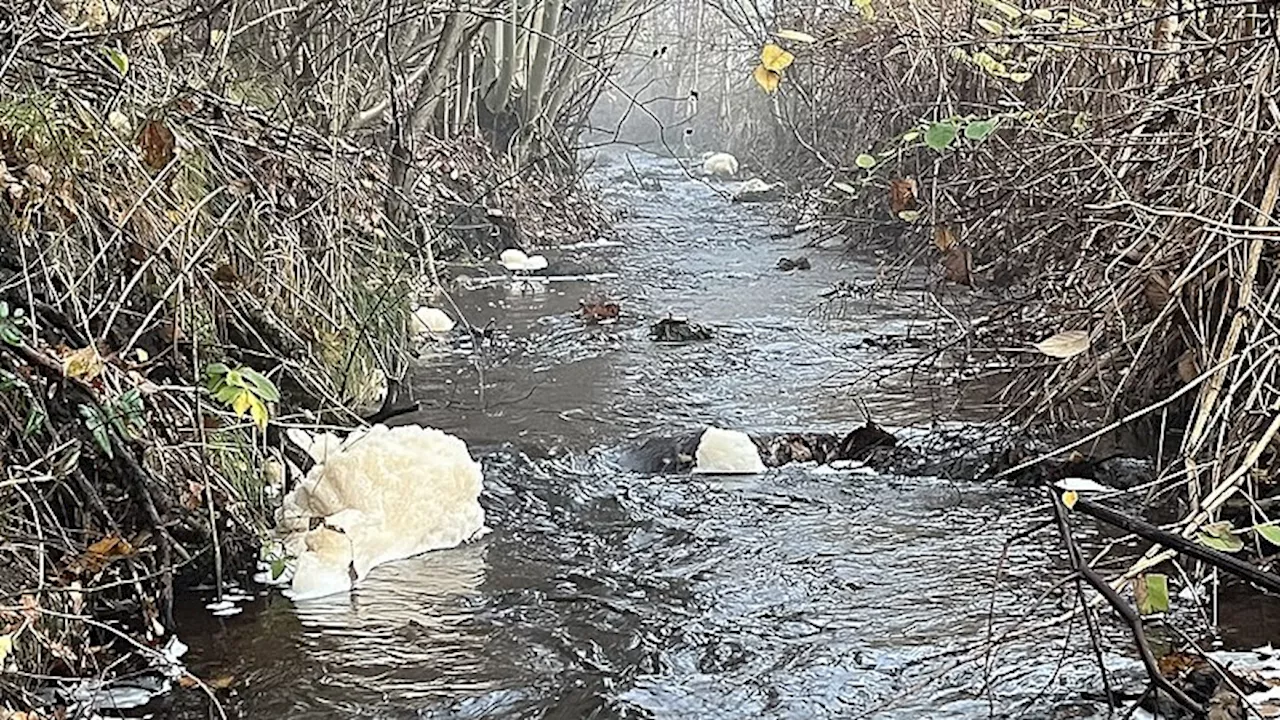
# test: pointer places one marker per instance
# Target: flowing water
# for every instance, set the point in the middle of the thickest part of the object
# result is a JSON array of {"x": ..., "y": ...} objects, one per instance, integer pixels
[{"x": 604, "y": 593}]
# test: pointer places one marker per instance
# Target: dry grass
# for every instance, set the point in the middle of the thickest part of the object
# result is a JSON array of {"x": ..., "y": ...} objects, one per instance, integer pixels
[
  {"x": 148, "y": 227},
  {"x": 1129, "y": 191}
]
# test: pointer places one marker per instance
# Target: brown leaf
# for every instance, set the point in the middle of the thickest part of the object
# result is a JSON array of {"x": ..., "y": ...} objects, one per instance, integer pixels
[
  {"x": 111, "y": 546},
  {"x": 193, "y": 495},
  {"x": 1139, "y": 585},
  {"x": 1188, "y": 366},
  {"x": 187, "y": 681},
  {"x": 157, "y": 144},
  {"x": 1156, "y": 290},
  {"x": 222, "y": 682},
  {"x": 225, "y": 274},
  {"x": 99, "y": 555},
  {"x": 902, "y": 194},
  {"x": 944, "y": 238},
  {"x": 957, "y": 266}
]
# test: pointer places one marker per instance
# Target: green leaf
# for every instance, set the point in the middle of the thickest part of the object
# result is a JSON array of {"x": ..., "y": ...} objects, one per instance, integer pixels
[
  {"x": 980, "y": 129},
  {"x": 864, "y": 161},
  {"x": 909, "y": 215},
  {"x": 1269, "y": 532},
  {"x": 118, "y": 59},
  {"x": 1156, "y": 597},
  {"x": 940, "y": 135},
  {"x": 277, "y": 567},
  {"x": 35, "y": 421},
  {"x": 1220, "y": 536},
  {"x": 911, "y": 136},
  {"x": 1020, "y": 77},
  {"x": 262, "y": 386},
  {"x": 227, "y": 394}
]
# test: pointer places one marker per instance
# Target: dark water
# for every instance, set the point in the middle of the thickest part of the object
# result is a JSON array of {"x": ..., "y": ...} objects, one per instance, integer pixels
[{"x": 602, "y": 593}]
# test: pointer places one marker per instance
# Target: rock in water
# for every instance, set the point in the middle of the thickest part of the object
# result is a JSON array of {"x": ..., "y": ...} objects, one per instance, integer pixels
[
  {"x": 727, "y": 452},
  {"x": 382, "y": 495},
  {"x": 788, "y": 264},
  {"x": 757, "y": 190}
]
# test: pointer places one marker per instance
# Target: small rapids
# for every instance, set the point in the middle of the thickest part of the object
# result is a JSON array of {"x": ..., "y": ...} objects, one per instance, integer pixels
[{"x": 800, "y": 593}]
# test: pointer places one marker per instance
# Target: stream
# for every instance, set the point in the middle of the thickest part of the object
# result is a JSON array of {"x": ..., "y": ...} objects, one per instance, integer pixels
[{"x": 601, "y": 593}]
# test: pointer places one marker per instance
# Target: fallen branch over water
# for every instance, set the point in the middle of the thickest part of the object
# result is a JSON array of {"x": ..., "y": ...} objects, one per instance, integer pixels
[{"x": 1190, "y": 548}]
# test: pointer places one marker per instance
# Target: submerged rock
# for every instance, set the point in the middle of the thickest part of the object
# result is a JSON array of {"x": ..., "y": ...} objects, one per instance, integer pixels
[
  {"x": 727, "y": 452},
  {"x": 674, "y": 454},
  {"x": 757, "y": 190},
  {"x": 678, "y": 330},
  {"x": 377, "y": 496},
  {"x": 789, "y": 264}
]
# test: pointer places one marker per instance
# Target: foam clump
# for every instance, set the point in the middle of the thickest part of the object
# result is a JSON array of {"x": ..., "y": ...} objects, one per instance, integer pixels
[
  {"x": 516, "y": 261},
  {"x": 432, "y": 321},
  {"x": 727, "y": 452},
  {"x": 720, "y": 164},
  {"x": 380, "y": 495}
]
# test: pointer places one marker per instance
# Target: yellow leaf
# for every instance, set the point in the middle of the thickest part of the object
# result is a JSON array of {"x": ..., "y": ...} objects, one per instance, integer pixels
[
  {"x": 775, "y": 58},
  {"x": 864, "y": 7},
  {"x": 1065, "y": 344},
  {"x": 767, "y": 79},
  {"x": 990, "y": 26},
  {"x": 1042, "y": 14},
  {"x": 259, "y": 413},
  {"x": 85, "y": 364},
  {"x": 796, "y": 35},
  {"x": 6, "y": 645},
  {"x": 845, "y": 187},
  {"x": 241, "y": 403},
  {"x": 1009, "y": 11},
  {"x": 1020, "y": 77},
  {"x": 1069, "y": 498}
]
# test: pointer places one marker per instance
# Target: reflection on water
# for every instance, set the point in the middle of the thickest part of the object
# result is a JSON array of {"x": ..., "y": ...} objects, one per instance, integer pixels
[{"x": 601, "y": 593}]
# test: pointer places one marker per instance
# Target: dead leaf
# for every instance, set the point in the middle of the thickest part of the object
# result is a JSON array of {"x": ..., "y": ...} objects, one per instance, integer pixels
[
  {"x": 797, "y": 36},
  {"x": 1188, "y": 366},
  {"x": 38, "y": 175},
  {"x": 83, "y": 364},
  {"x": 30, "y": 607},
  {"x": 100, "y": 554},
  {"x": 1139, "y": 586},
  {"x": 1156, "y": 290},
  {"x": 1064, "y": 345},
  {"x": 957, "y": 266},
  {"x": 225, "y": 274},
  {"x": 775, "y": 59},
  {"x": 222, "y": 682},
  {"x": 766, "y": 78},
  {"x": 157, "y": 143},
  {"x": 943, "y": 238},
  {"x": 187, "y": 681},
  {"x": 111, "y": 546},
  {"x": 193, "y": 495},
  {"x": 902, "y": 194}
]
